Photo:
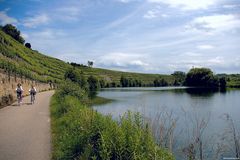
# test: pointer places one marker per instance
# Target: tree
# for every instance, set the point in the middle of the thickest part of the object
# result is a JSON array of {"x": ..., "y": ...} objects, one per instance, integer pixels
[
  {"x": 201, "y": 77},
  {"x": 93, "y": 86},
  {"x": 158, "y": 82},
  {"x": 124, "y": 81},
  {"x": 82, "y": 81},
  {"x": 28, "y": 45},
  {"x": 13, "y": 32},
  {"x": 72, "y": 75},
  {"x": 102, "y": 83},
  {"x": 179, "y": 77},
  {"x": 222, "y": 82},
  {"x": 90, "y": 63}
]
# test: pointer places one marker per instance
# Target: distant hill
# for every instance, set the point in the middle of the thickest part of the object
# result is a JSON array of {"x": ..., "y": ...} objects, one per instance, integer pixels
[{"x": 17, "y": 59}]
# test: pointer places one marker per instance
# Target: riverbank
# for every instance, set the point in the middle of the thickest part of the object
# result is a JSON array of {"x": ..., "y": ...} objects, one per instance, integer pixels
[{"x": 79, "y": 132}]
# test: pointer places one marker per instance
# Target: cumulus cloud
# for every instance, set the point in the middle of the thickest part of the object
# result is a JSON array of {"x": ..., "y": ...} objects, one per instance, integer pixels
[
  {"x": 154, "y": 14},
  {"x": 205, "y": 47},
  {"x": 218, "y": 22},
  {"x": 187, "y": 4},
  {"x": 5, "y": 19},
  {"x": 122, "y": 61},
  {"x": 35, "y": 21},
  {"x": 151, "y": 14}
]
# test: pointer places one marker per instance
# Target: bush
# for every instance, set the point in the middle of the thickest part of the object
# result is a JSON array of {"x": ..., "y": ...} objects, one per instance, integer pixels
[{"x": 6, "y": 100}]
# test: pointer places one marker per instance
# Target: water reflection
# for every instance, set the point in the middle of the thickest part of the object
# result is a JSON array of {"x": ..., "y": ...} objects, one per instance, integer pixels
[
  {"x": 202, "y": 92},
  {"x": 196, "y": 102}
]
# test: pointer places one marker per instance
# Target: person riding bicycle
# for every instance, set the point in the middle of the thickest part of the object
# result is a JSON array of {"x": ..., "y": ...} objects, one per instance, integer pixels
[
  {"x": 19, "y": 91},
  {"x": 32, "y": 92}
]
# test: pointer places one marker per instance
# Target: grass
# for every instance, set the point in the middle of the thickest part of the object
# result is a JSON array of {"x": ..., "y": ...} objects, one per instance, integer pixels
[
  {"x": 97, "y": 101},
  {"x": 79, "y": 132}
]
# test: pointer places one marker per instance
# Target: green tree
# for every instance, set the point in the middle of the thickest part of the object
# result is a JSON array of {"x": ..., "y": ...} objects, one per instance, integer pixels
[
  {"x": 159, "y": 82},
  {"x": 102, "y": 83},
  {"x": 179, "y": 77},
  {"x": 72, "y": 74},
  {"x": 13, "y": 32},
  {"x": 93, "y": 86},
  {"x": 201, "y": 77},
  {"x": 222, "y": 82},
  {"x": 124, "y": 81},
  {"x": 82, "y": 81},
  {"x": 28, "y": 45}
]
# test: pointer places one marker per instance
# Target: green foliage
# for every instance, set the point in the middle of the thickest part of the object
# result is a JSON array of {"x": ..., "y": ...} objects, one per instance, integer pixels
[
  {"x": 72, "y": 75},
  {"x": 93, "y": 86},
  {"x": 201, "y": 77},
  {"x": 102, "y": 83},
  {"x": 28, "y": 45},
  {"x": 179, "y": 77},
  {"x": 93, "y": 83},
  {"x": 13, "y": 32},
  {"x": 130, "y": 82},
  {"x": 159, "y": 82},
  {"x": 222, "y": 82},
  {"x": 79, "y": 132}
]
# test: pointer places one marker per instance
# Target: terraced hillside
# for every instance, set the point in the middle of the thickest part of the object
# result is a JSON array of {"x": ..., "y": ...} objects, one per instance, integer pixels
[{"x": 17, "y": 59}]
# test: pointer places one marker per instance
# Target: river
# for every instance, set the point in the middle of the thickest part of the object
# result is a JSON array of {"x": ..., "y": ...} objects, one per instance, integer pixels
[{"x": 188, "y": 113}]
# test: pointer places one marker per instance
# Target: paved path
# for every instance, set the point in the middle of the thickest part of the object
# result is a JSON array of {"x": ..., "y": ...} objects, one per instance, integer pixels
[{"x": 25, "y": 130}]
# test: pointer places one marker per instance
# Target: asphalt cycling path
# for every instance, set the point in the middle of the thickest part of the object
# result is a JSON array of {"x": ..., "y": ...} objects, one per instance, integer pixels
[{"x": 25, "y": 129}]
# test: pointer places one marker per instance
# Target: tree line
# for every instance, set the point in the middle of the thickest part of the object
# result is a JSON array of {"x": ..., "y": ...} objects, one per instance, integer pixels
[{"x": 196, "y": 77}]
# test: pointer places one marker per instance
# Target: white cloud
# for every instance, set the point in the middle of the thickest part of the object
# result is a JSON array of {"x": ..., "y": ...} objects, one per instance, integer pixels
[
  {"x": 215, "y": 23},
  {"x": 47, "y": 34},
  {"x": 69, "y": 13},
  {"x": 205, "y": 46},
  {"x": 151, "y": 14},
  {"x": 230, "y": 6},
  {"x": 187, "y": 4},
  {"x": 25, "y": 35},
  {"x": 154, "y": 14},
  {"x": 126, "y": 1},
  {"x": 73, "y": 11},
  {"x": 32, "y": 22},
  {"x": 122, "y": 61},
  {"x": 5, "y": 19}
]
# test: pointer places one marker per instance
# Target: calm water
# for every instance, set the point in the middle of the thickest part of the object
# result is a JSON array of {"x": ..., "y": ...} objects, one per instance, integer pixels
[{"x": 187, "y": 105}]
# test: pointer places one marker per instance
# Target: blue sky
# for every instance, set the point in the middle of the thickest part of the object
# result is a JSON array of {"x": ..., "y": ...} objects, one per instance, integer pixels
[{"x": 151, "y": 36}]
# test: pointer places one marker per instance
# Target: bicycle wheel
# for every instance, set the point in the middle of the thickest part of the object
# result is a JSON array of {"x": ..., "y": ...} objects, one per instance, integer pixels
[{"x": 19, "y": 99}]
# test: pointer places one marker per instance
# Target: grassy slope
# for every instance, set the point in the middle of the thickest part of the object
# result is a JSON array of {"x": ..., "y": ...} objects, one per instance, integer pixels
[
  {"x": 116, "y": 75},
  {"x": 19, "y": 59},
  {"x": 32, "y": 64}
]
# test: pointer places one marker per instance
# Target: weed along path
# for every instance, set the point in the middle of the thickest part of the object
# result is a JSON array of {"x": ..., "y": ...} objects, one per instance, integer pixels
[{"x": 25, "y": 130}]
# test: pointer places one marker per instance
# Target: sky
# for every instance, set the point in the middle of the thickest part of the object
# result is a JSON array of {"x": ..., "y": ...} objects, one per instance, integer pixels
[{"x": 150, "y": 36}]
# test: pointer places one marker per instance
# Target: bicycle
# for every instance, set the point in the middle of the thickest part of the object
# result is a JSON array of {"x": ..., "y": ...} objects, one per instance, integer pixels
[
  {"x": 19, "y": 99},
  {"x": 32, "y": 98}
]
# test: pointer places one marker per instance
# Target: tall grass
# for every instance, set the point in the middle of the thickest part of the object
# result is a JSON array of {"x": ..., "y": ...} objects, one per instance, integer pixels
[{"x": 79, "y": 132}]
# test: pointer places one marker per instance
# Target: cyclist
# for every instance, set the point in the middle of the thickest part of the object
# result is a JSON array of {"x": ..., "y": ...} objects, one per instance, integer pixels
[
  {"x": 19, "y": 91},
  {"x": 32, "y": 92}
]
